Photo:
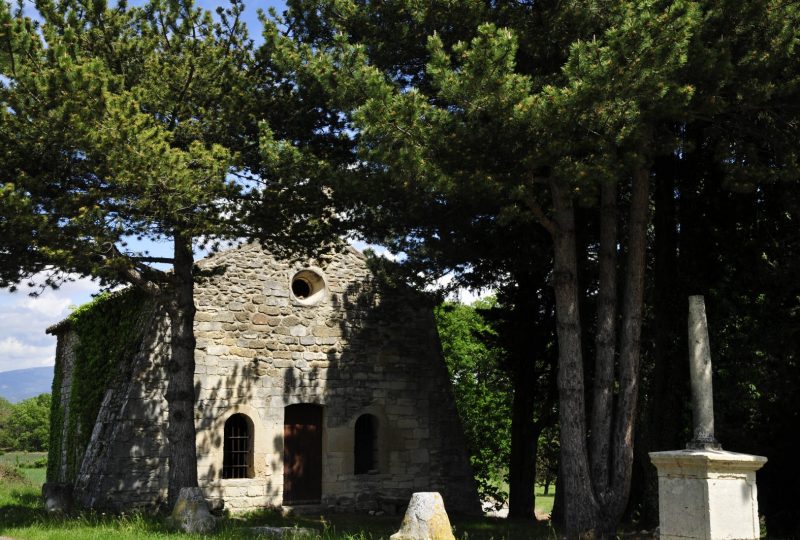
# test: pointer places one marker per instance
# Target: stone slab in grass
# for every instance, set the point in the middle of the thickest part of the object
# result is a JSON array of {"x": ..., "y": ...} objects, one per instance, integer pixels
[{"x": 284, "y": 532}]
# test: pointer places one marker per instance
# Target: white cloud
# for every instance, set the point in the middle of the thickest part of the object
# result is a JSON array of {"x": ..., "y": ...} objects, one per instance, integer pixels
[
  {"x": 24, "y": 319},
  {"x": 47, "y": 305},
  {"x": 15, "y": 354},
  {"x": 380, "y": 251}
]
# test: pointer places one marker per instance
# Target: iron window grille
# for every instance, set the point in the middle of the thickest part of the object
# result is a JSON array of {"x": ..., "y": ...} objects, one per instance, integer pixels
[{"x": 236, "y": 453}]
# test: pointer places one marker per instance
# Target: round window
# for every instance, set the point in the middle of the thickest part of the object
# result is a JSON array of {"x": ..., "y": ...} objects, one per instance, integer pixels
[{"x": 308, "y": 287}]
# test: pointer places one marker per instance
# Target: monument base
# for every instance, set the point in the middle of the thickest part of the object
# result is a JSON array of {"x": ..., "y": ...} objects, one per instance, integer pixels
[{"x": 707, "y": 494}]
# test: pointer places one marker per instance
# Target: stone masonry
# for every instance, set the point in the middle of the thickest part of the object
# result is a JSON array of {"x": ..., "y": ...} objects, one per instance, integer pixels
[{"x": 341, "y": 341}]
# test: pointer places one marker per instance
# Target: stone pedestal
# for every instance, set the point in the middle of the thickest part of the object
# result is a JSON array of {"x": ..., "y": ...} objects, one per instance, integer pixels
[{"x": 707, "y": 494}]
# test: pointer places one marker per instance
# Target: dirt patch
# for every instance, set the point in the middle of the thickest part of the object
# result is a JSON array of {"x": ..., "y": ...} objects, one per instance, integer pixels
[{"x": 11, "y": 474}]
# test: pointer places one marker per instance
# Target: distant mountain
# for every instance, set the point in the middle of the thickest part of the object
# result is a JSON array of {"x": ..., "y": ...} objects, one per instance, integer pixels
[{"x": 25, "y": 383}]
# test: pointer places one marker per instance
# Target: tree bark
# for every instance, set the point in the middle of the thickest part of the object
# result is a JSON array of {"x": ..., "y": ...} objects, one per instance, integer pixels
[
  {"x": 588, "y": 507},
  {"x": 557, "y": 518},
  {"x": 630, "y": 339},
  {"x": 605, "y": 342},
  {"x": 581, "y": 511},
  {"x": 180, "y": 387}
]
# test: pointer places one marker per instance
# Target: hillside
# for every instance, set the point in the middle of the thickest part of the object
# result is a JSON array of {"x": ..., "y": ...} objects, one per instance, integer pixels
[{"x": 21, "y": 384}]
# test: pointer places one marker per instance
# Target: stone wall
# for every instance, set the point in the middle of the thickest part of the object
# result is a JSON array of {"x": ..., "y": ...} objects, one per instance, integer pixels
[
  {"x": 65, "y": 360},
  {"x": 124, "y": 464},
  {"x": 353, "y": 348}
]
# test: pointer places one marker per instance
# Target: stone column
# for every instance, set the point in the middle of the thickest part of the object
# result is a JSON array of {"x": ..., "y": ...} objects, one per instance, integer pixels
[
  {"x": 705, "y": 493},
  {"x": 700, "y": 377}
]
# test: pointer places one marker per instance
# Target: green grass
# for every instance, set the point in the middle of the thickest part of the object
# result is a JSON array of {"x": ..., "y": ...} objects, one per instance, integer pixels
[
  {"x": 23, "y": 517},
  {"x": 23, "y": 461},
  {"x": 544, "y": 503}
]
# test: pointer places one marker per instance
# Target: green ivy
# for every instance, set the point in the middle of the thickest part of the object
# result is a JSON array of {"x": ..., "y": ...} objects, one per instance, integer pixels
[{"x": 109, "y": 330}]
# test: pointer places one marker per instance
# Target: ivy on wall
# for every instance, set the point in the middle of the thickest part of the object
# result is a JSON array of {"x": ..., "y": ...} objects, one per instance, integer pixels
[
  {"x": 56, "y": 422},
  {"x": 109, "y": 331}
]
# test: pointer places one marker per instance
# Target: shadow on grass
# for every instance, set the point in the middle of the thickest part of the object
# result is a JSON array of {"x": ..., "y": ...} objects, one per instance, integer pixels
[
  {"x": 21, "y": 510},
  {"x": 20, "y": 507},
  {"x": 359, "y": 526},
  {"x": 490, "y": 528}
]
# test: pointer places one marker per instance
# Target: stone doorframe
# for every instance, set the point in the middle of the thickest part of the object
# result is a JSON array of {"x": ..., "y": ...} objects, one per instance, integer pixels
[{"x": 210, "y": 444}]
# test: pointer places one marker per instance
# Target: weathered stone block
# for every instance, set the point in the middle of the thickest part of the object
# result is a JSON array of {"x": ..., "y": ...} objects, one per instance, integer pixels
[
  {"x": 326, "y": 331},
  {"x": 217, "y": 350},
  {"x": 425, "y": 519},
  {"x": 259, "y": 318},
  {"x": 191, "y": 512},
  {"x": 298, "y": 330},
  {"x": 707, "y": 494}
]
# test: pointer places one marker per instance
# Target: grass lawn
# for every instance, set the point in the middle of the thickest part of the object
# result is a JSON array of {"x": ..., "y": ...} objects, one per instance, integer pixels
[
  {"x": 544, "y": 503},
  {"x": 16, "y": 459},
  {"x": 23, "y": 517}
]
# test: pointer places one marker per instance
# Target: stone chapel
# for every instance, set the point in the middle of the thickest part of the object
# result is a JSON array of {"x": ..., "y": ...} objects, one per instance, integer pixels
[{"x": 315, "y": 385}]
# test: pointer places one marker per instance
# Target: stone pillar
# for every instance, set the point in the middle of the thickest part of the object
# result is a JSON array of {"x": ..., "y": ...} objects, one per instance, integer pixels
[
  {"x": 705, "y": 493},
  {"x": 700, "y": 377}
]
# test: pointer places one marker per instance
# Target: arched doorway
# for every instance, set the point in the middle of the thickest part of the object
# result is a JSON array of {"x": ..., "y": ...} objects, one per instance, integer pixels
[{"x": 302, "y": 454}]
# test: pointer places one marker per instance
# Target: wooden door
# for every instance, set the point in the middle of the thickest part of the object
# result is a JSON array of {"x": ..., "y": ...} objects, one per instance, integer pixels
[{"x": 302, "y": 454}]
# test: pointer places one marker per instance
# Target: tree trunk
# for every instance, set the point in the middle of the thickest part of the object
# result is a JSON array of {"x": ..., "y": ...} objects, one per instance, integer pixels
[
  {"x": 632, "y": 313},
  {"x": 581, "y": 511},
  {"x": 557, "y": 518},
  {"x": 180, "y": 387},
  {"x": 524, "y": 439},
  {"x": 605, "y": 343},
  {"x": 586, "y": 509}
]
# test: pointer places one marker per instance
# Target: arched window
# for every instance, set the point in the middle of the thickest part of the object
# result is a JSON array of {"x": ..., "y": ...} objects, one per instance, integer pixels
[
  {"x": 237, "y": 452},
  {"x": 366, "y": 444}
]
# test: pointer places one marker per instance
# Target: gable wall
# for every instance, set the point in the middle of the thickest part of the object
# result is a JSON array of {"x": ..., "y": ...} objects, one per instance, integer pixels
[{"x": 259, "y": 350}]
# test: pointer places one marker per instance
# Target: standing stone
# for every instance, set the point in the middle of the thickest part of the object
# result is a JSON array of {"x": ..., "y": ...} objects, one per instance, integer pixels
[
  {"x": 191, "y": 512},
  {"x": 425, "y": 519}
]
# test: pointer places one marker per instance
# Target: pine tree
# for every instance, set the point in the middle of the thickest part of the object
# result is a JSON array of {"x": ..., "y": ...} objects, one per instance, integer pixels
[
  {"x": 526, "y": 116},
  {"x": 120, "y": 123}
]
